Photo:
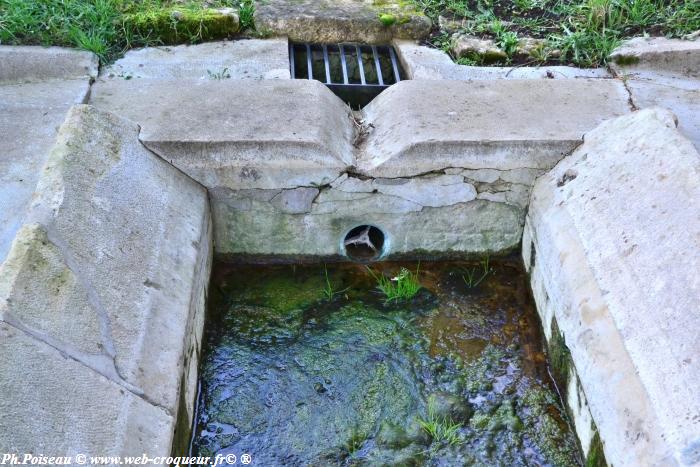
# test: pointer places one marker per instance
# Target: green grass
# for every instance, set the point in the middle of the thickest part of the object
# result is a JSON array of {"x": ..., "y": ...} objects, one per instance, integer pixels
[
  {"x": 475, "y": 276},
  {"x": 404, "y": 286},
  {"x": 109, "y": 27},
  {"x": 440, "y": 429},
  {"x": 329, "y": 291},
  {"x": 579, "y": 32}
]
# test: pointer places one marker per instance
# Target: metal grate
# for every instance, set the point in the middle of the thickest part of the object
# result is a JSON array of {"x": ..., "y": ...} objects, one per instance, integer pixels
[{"x": 356, "y": 73}]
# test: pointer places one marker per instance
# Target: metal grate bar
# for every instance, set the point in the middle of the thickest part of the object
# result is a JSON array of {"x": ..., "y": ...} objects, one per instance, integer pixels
[
  {"x": 343, "y": 63},
  {"x": 360, "y": 65},
  {"x": 327, "y": 63},
  {"x": 308, "y": 62},
  {"x": 377, "y": 65},
  {"x": 291, "y": 61},
  {"x": 394, "y": 64}
]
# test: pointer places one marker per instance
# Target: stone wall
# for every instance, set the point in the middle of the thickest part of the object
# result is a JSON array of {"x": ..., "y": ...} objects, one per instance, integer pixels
[{"x": 441, "y": 166}]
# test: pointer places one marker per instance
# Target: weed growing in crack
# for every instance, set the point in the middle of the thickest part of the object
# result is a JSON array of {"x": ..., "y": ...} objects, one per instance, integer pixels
[
  {"x": 475, "y": 276},
  {"x": 440, "y": 429},
  {"x": 405, "y": 285}
]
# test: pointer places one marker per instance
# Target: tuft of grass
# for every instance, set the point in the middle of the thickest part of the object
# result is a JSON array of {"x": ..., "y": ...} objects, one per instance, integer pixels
[
  {"x": 246, "y": 12},
  {"x": 218, "y": 75},
  {"x": 579, "y": 32},
  {"x": 440, "y": 429},
  {"x": 475, "y": 276},
  {"x": 328, "y": 290},
  {"x": 403, "y": 286}
]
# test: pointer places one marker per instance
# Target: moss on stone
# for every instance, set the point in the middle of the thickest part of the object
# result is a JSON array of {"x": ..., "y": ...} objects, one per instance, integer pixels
[
  {"x": 559, "y": 357},
  {"x": 175, "y": 25},
  {"x": 625, "y": 60},
  {"x": 595, "y": 456}
]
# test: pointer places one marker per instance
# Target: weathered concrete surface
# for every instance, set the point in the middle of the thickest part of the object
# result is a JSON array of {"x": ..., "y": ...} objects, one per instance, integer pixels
[
  {"x": 240, "y": 59},
  {"x": 665, "y": 73},
  {"x": 239, "y": 134},
  {"x": 34, "y": 63},
  {"x": 54, "y": 405},
  {"x": 30, "y": 114},
  {"x": 247, "y": 225},
  {"x": 421, "y": 62},
  {"x": 110, "y": 271},
  {"x": 421, "y": 126},
  {"x": 333, "y": 21},
  {"x": 611, "y": 244}
]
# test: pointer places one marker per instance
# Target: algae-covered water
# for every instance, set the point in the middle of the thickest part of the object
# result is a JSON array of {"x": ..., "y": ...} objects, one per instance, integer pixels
[{"x": 292, "y": 377}]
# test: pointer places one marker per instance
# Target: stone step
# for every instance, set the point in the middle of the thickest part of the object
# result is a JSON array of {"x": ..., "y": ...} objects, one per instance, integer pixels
[
  {"x": 611, "y": 245},
  {"x": 333, "y": 21},
  {"x": 240, "y": 59},
  {"x": 662, "y": 72},
  {"x": 422, "y": 62},
  {"x": 34, "y": 63}
]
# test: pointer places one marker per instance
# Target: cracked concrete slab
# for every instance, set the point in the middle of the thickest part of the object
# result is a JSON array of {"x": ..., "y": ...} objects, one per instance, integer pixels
[
  {"x": 660, "y": 72},
  {"x": 240, "y": 59},
  {"x": 418, "y": 127},
  {"x": 110, "y": 269},
  {"x": 611, "y": 247},
  {"x": 54, "y": 405},
  {"x": 334, "y": 21}
]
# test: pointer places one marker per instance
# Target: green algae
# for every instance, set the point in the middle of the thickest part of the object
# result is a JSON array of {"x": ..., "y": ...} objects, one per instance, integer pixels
[
  {"x": 296, "y": 379},
  {"x": 559, "y": 357}
]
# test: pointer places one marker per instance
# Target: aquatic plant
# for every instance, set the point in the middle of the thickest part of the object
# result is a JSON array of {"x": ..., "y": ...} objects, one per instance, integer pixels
[
  {"x": 440, "y": 429},
  {"x": 328, "y": 290},
  {"x": 472, "y": 277},
  {"x": 403, "y": 286}
]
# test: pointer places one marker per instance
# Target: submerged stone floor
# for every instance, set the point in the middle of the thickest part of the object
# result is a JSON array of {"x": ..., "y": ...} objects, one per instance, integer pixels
[{"x": 295, "y": 378}]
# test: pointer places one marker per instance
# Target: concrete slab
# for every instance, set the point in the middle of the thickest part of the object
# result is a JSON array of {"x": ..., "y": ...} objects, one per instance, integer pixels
[
  {"x": 111, "y": 270},
  {"x": 239, "y": 134},
  {"x": 240, "y": 59},
  {"x": 53, "y": 405},
  {"x": 333, "y": 21},
  {"x": 417, "y": 127},
  {"x": 674, "y": 56},
  {"x": 665, "y": 73},
  {"x": 30, "y": 114},
  {"x": 35, "y": 63},
  {"x": 422, "y": 62},
  {"x": 611, "y": 245}
]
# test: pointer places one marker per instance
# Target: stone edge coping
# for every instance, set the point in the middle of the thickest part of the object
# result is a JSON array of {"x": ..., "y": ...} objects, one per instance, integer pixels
[{"x": 36, "y": 63}]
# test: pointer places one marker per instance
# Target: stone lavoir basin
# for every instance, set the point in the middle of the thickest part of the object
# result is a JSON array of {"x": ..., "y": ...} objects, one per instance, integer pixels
[
  {"x": 293, "y": 375},
  {"x": 191, "y": 258}
]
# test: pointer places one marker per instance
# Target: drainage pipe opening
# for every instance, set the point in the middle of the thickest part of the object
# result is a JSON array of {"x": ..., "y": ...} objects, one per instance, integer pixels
[{"x": 364, "y": 243}]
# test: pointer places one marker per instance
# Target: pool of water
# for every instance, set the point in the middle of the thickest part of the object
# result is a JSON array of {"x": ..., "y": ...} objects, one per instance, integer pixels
[{"x": 455, "y": 376}]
